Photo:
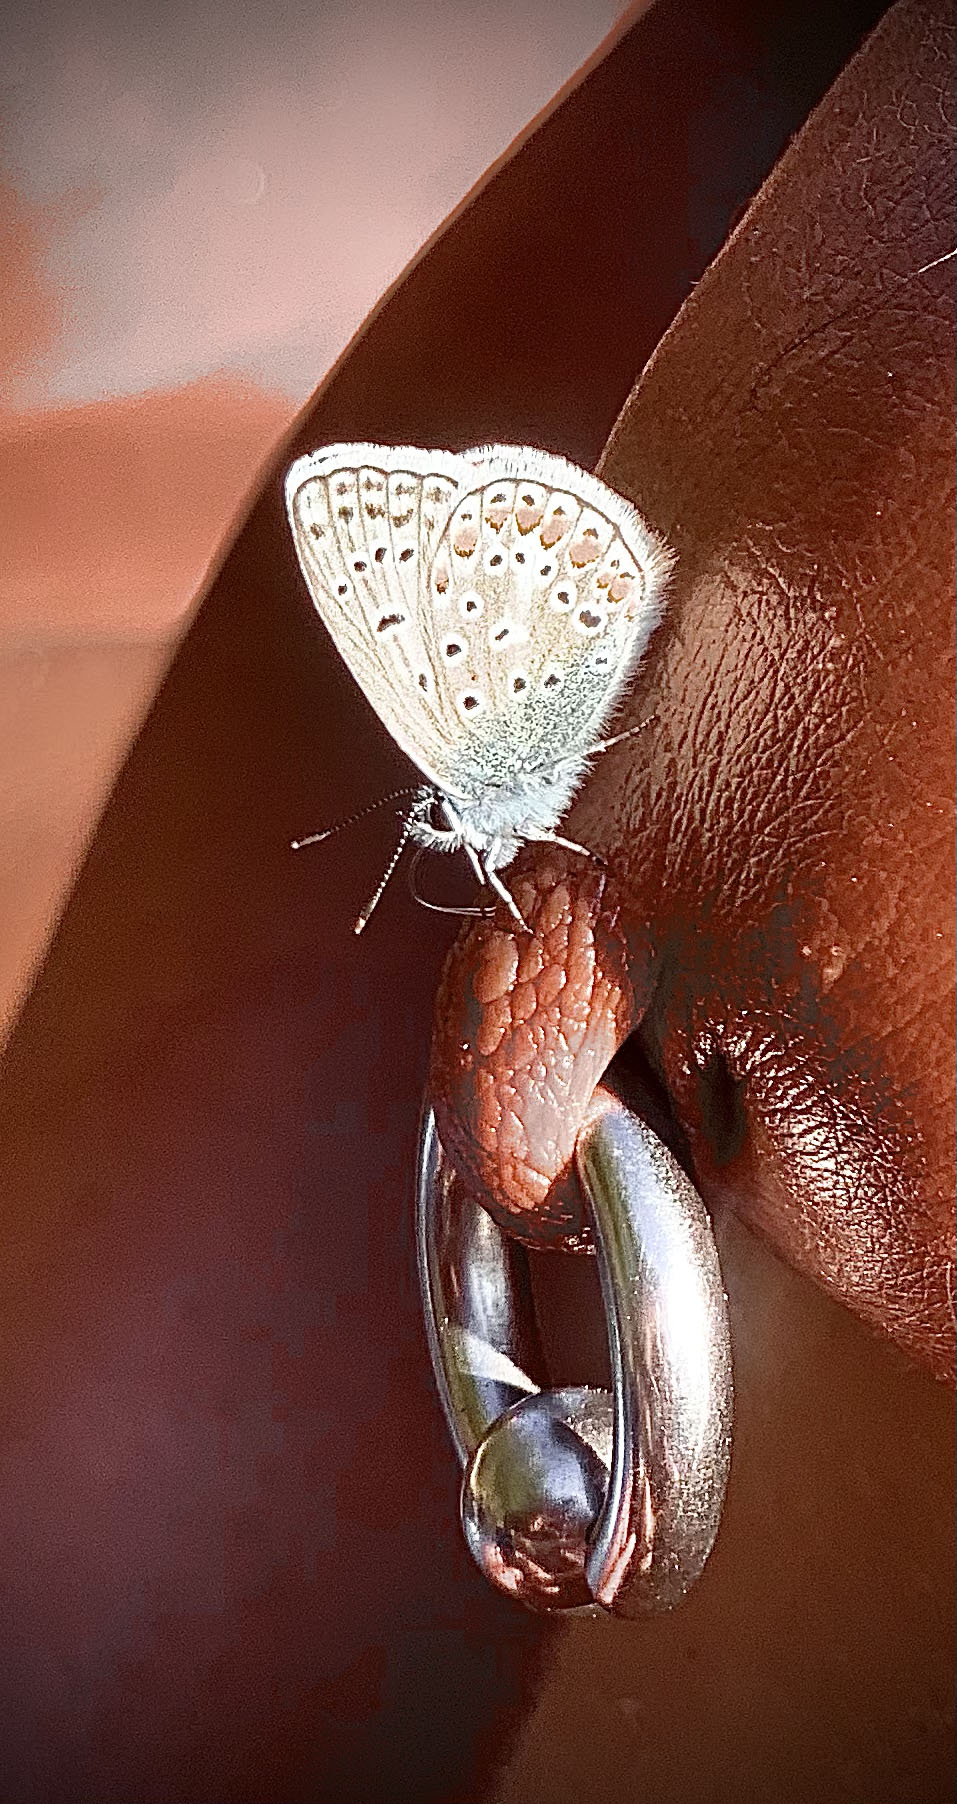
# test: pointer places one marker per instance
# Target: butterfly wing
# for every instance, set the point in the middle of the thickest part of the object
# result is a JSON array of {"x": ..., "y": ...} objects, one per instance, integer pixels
[
  {"x": 366, "y": 521},
  {"x": 491, "y": 605},
  {"x": 545, "y": 587}
]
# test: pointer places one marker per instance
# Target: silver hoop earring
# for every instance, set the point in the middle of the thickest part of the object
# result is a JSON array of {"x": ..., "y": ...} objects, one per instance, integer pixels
[{"x": 583, "y": 1498}]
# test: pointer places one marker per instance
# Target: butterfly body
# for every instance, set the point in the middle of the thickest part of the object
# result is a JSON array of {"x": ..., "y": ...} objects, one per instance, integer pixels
[
  {"x": 494, "y": 822},
  {"x": 492, "y": 605}
]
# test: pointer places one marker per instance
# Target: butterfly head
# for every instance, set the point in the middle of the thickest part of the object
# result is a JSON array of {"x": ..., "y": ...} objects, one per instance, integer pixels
[{"x": 493, "y": 822}]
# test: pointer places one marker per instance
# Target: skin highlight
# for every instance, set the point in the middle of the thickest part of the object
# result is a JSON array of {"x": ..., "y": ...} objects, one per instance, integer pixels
[{"x": 779, "y": 845}]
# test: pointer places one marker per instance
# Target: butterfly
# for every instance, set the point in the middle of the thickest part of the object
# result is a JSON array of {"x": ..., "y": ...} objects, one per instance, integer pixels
[{"x": 492, "y": 605}]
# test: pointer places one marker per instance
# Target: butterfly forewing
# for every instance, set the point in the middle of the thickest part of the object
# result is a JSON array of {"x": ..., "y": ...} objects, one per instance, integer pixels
[{"x": 366, "y": 520}]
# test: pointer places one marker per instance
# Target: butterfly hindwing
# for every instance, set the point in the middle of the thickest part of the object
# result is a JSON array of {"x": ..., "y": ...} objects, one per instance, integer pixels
[{"x": 551, "y": 588}]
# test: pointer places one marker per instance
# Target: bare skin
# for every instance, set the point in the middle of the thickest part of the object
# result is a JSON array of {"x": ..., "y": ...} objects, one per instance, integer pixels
[
  {"x": 775, "y": 920},
  {"x": 230, "y": 1558}
]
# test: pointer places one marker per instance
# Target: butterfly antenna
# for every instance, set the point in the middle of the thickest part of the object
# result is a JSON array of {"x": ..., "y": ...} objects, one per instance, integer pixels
[
  {"x": 363, "y": 918},
  {"x": 312, "y": 839}
]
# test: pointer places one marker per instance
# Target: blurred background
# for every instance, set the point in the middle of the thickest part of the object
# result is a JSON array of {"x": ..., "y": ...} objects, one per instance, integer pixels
[{"x": 198, "y": 208}]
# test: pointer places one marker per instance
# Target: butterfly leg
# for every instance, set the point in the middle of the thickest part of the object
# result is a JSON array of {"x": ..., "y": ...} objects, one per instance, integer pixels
[
  {"x": 570, "y": 845},
  {"x": 457, "y": 829},
  {"x": 475, "y": 862},
  {"x": 494, "y": 882}
]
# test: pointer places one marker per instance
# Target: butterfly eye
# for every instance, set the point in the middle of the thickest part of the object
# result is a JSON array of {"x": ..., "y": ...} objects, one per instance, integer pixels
[
  {"x": 471, "y": 604},
  {"x": 589, "y": 620},
  {"x": 563, "y": 599},
  {"x": 454, "y": 650},
  {"x": 470, "y": 703},
  {"x": 552, "y": 679},
  {"x": 519, "y": 682},
  {"x": 380, "y": 554}
]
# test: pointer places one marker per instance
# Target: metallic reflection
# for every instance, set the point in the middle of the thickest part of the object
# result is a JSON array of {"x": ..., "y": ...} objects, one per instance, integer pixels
[{"x": 576, "y": 1495}]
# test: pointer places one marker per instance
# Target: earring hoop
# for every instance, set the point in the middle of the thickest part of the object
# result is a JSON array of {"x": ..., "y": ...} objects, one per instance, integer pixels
[{"x": 584, "y": 1497}]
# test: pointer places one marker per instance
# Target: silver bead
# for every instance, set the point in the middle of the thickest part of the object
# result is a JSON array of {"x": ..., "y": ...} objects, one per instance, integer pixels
[{"x": 533, "y": 1491}]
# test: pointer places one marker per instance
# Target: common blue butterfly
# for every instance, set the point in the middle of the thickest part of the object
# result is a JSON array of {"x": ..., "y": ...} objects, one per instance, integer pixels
[{"x": 492, "y": 605}]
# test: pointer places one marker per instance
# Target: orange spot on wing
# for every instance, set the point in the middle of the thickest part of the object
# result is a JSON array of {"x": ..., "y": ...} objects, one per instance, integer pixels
[{"x": 553, "y": 530}]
